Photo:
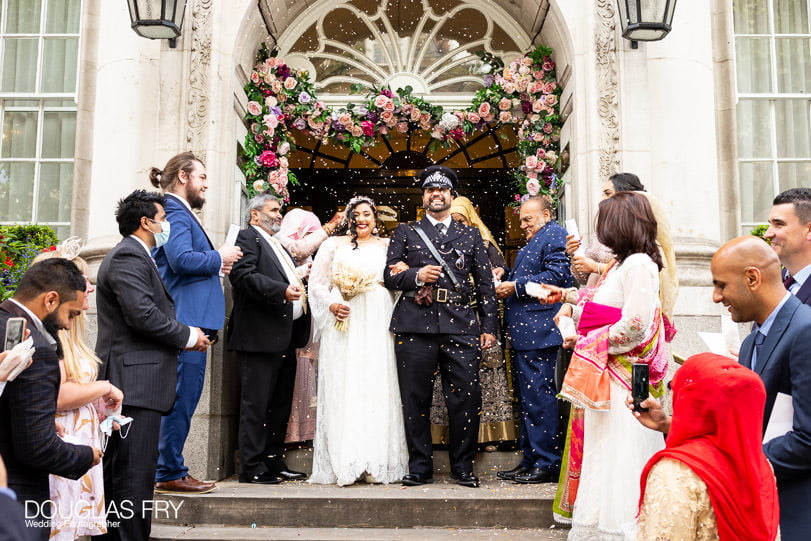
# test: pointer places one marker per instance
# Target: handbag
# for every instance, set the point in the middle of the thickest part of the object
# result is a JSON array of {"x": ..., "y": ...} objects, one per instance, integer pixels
[{"x": 492, "y": 356}]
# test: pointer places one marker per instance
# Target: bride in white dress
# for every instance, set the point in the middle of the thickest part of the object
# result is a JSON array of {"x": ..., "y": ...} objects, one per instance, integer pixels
[{"x": 359, "y": 428}]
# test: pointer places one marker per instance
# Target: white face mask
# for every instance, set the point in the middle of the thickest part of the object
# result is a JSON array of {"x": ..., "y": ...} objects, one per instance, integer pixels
[
  {"x": 106, "y": 427},
  {"x": 162, "y": 237}
]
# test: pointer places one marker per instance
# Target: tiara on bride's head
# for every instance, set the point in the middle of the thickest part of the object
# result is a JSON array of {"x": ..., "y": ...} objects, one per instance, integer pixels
[{"x": 70, "y": 248}]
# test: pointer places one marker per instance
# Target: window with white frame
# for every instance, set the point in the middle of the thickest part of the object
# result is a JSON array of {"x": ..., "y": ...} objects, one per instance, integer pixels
[
  {"x": 773, "y": 63},
  {"x": 39, "y": 47}
]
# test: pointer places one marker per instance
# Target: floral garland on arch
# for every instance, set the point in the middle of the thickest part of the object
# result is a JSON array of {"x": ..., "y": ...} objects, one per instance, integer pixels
[{"x": 524, "y": 94}]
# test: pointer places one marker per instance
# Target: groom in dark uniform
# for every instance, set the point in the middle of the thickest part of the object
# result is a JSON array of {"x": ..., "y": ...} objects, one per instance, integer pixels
[{"x": 441, "y": 322}]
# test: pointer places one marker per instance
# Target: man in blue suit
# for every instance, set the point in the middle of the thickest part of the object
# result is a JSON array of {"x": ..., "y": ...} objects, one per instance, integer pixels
[
  {"x": 789, "y": 234},
  {"x": 746, "y": 278},
  {"x": 190, "y": 267},
  {"x": 536, "y": 340}
]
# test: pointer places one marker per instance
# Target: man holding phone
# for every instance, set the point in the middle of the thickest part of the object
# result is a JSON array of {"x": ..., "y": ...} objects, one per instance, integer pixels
[{"x": 50, "y": 294}]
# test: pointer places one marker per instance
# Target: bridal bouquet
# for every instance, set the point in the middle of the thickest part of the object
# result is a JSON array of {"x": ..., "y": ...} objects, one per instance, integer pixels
[{"x": 350, "y": 283}]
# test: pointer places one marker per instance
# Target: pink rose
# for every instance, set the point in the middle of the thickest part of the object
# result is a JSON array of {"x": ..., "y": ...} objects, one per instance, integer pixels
[
  {"x": 386, "y": 116},
  {"x": 538, "y": 74},
  {"x": 345, "y": 119},
  {"x": 368, "y": 128},
  {"x": 388, "y": 106},
  {"x": 283, "y": 163},
  {"x": 290, "y": 83},
  {"x": 537, "y": 106},
  {"x": 254, "y": 108},
  {"x": 474, "y": 117},
  {"x": 505, "y": 117},
  {"x": 271, "y": 120},
  {"x": 284, "y": 148},
  {"x": 505, "y": 104},
  {"x": 509, "y": 87},
  {"x": 523, "y": 70},
  {"x": 484, "y": 109},
  {"x": 548, "y": 65},
  {"x": 533, "y": 186},
  {"x": 551, "y": 100},
  {"x": 383, "y": 130},
  {"x": 357, "y": 131},
  {"x": 489, "y": 117},
  {"x": 402, "y": 127},
  {"x": 541, "y": 153},
  {"x": 276, "y": 87},
  {"x": 547, "y": 128},
  {"x": 521, "y": 85},
  {"x": 259, "y": 138},
  {"x": 537, "y": 137},
  {"x": 415, "y": 114},
  {"x": 271, "y": 101},
  {"x": 531, "y": 162},
  {"x": 255, "y": 77},
  {"x": 268, "y": 159},
  {"x": 425, "y": 117},
  {"x": 527, "y": 61},
  {"x": 549, "y": 87},
  {"x": 508, "y": 74},
  {"x": 269, "y": 132},
  {"x": 381, "y": 100},
  {"x": 532, "y": 174}
]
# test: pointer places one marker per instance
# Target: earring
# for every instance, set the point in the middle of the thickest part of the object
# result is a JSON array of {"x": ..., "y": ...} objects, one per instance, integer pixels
[{"x": 374, "y": 231}]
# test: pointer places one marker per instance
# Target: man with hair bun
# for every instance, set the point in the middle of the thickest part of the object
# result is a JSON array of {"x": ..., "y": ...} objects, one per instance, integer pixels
[{"x": 190, "y": 268}]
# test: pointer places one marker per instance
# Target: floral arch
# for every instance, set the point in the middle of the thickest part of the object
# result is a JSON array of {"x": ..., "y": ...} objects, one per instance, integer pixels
[{"x": 524, "y": 95}]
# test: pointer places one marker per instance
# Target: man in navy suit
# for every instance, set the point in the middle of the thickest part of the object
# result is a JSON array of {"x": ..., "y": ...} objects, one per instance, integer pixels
[
  {"x": 789, "y": 233},
  {"x": 746, "y": 279},
  {"x": 536, "y": 340},
  {"x": 190, "y": 268}
]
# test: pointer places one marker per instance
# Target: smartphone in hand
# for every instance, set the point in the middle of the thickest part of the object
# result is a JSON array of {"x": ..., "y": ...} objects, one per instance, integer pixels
[
  {"x": 15, "y": 331},
  {"x": 640, "y": 373}
]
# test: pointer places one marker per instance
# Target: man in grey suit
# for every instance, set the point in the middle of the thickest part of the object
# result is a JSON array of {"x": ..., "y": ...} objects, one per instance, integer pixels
[
  {"x": 138, "y": 342},
  {"x": 746, "y": 279}
]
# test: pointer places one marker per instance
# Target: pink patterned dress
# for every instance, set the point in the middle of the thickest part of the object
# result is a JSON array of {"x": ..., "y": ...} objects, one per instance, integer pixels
[{"x": 78, "y": 506}]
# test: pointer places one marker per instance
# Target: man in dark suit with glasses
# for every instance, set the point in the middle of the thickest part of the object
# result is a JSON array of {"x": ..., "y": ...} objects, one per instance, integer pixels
[{"x": 441, "y": 323}]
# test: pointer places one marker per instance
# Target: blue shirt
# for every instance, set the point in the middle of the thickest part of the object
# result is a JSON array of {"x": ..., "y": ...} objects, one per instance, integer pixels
[
  {"x": 767, "y": 325},
  {"x": 799, "y": 279}
]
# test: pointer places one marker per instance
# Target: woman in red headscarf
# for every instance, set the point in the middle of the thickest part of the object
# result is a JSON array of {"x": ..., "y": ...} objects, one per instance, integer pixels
[{"x": 712, "y": 480}]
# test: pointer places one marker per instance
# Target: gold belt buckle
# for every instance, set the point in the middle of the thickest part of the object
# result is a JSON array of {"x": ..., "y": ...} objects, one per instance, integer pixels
[{"x": 441, "y": 295}]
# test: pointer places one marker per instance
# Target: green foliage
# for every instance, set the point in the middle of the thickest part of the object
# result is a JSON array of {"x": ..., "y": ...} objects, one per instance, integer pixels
[
  {"x": 760, "y": 231},
  {"x": 19, "y": 244}
]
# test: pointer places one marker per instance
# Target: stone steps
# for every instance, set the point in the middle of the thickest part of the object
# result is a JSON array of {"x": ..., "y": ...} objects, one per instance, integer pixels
[
  {"x": 208, "y": 533},
  {"x": 299, "y": 510}
]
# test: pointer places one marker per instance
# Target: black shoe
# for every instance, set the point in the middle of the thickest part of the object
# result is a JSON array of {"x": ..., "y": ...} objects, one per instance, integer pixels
[
  {"x": 416, "y": 479},
  {"x": 290, "y": 475},
  {"x": 466, "y": 480},
  {"x": 536, "y": 475},
  {"x": 264, "y": 478},
  {"x": 509, "y": 475}
]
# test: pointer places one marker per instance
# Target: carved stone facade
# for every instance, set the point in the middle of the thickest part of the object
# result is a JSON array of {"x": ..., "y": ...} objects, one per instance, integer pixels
[
  {"x": 199, "y": 67},
  {"x": 607, "y": 89}
]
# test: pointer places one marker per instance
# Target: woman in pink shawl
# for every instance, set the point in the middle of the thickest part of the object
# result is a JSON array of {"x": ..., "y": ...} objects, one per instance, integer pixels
[
  {"x": 619, "y": 322},
  {"x": 301, "y": 234}
]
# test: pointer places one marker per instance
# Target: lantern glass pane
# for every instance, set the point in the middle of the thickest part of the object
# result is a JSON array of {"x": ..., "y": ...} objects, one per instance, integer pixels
[
  {"x": 623, "y": 11},
  {"x": 653, "y": 11}
]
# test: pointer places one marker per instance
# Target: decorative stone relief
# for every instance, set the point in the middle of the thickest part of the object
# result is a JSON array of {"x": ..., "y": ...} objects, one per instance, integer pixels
[
  {"x": 607, "y": 90},
  {"x": 199, "y": 63}
]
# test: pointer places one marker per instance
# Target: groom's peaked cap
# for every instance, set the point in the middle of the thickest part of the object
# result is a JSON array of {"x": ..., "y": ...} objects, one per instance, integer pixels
[{"x": 439, "y": 176}]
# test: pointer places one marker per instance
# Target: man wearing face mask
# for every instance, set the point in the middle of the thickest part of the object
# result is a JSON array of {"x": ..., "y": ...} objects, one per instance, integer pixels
[
  {"x": 50, "y": 294},
  {"x": 269, "y": 321},
  {"x": 138, "y": 341},
  {"x": 190, "y": 268}
]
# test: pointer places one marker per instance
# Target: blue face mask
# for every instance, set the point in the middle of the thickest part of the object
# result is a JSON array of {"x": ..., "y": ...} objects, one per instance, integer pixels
[{"x": 162, "y": 237}]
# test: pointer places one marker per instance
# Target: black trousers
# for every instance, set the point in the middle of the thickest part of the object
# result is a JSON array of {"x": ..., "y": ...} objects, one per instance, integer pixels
[
  {"x": 129, "y": 476},
  {"x": 457, "y": 358},
  {"x": 267, "y": 396}
]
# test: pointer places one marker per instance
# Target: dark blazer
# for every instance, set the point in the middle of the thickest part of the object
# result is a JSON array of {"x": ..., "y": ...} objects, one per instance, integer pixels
[
  {"x": 139, "y": 338},
  {"x": 28, "y": 441},
  {"x": 190, "y": 268},
  {"x": 542, "y": 260},
  {"x": 804, "y": 294},
  {"x": 262, "y": 319},
  {"x": 443, "y": 318},
  {"x": 12, "y": 526},
  {"x": 784, "y": 364}
]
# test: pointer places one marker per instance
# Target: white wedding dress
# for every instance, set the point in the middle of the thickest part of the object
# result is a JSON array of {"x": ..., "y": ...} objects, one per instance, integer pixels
[{"x": 359, "y": 421}]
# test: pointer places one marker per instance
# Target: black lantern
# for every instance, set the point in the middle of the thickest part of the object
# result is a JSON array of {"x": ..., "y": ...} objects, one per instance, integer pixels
[
  {"x": 157, "y": 19},
  {"x": 646, "y": 20}
]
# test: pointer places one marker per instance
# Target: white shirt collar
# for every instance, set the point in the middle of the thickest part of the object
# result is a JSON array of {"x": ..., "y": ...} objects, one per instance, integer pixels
[
  {"x": 181, "y": 199},
  {"x": 434, "y": 221},
  {"x": 802, "y": 275},
  {"x": 33, "y": 316},
  {"x": 142, "y": 243}
]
